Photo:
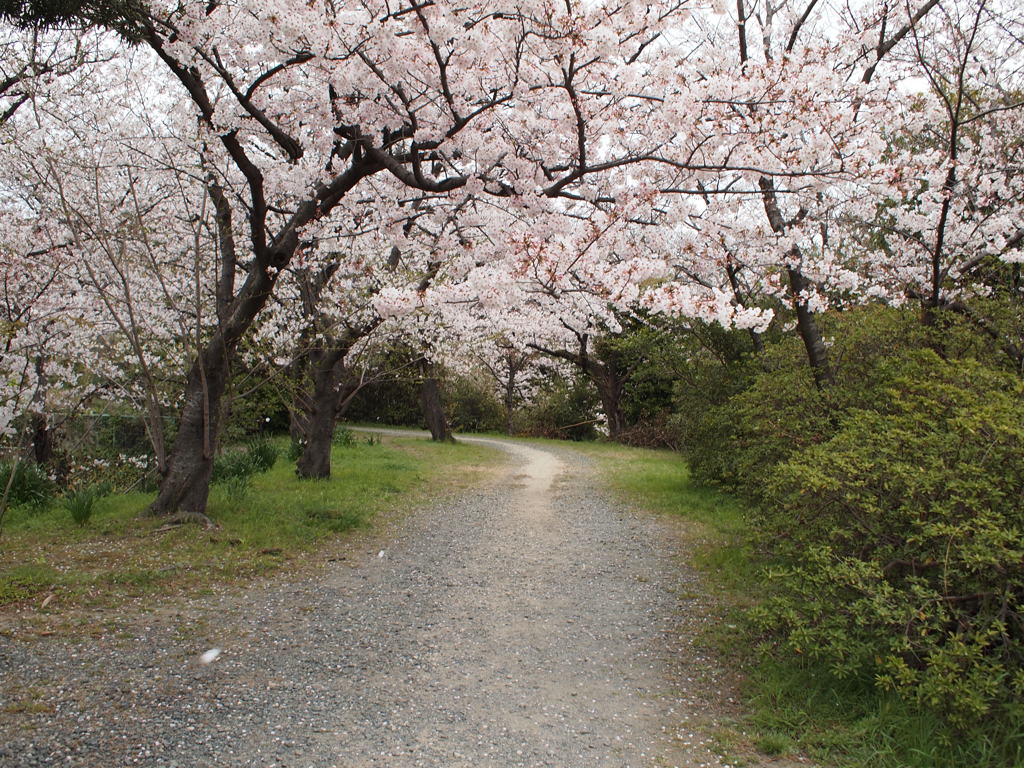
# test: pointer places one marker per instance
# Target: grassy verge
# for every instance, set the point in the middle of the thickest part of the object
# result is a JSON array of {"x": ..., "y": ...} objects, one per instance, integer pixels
[
  {"x": 795, "y": 707},
  {"x": 118, "y": 556}
]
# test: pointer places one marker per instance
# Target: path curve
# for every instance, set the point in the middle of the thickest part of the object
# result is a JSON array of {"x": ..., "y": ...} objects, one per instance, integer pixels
[{"x": 531, "y": 623}]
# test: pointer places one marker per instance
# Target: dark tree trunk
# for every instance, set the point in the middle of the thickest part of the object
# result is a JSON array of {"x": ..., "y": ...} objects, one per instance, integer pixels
[
  {"x": 314, "y": 463},
  {"x": 42, "y": 435},
  {"x": 433, "y": 405},
  {"x": 185, "y": 487},
  {"x": 609, "y": 389},
  {"x": 510, "y": 403},
  {"x": 810, "y": 333},
  {"x": 608, "y": 381},
  {"x": 42, "y": 439},
  {"x": 319, "y": 413},
  {"x": 806, "y": 323}
]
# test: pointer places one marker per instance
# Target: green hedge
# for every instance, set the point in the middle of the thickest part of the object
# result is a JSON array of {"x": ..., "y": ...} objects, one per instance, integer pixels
[{"x": 899, "y": 541}]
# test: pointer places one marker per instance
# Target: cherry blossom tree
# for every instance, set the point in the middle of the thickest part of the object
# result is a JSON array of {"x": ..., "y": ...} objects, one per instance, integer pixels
[
  {"x": 297, "y": 177},
  {"x": 305, "y": 103},
  {"x": 800, "y": 113},
  {"x": 36, "y": 69},
  {"x": 955, "y": 234},
  {"x": 136, "y": 211}
]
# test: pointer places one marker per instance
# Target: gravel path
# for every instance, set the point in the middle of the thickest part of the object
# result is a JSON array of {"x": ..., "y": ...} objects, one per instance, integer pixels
[{"x": 531, "y": 623}]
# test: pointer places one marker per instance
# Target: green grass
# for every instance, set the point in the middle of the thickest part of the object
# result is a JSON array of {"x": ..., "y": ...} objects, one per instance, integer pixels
[
  {"x": 119, "y": 555},
  {"x": 794, "y": 706}
]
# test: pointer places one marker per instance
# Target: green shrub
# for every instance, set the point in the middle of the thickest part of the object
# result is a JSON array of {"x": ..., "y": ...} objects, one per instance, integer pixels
[
  {"x": 473, "y": 407},
  {"x": 235, "y": 468},
  {"x": 30, "y": 487},
  {"x": 900, "y": 540},
  {"x": 237, "y": 487},
  {"x": 718, "y": 364},
  {"x": 263, "y": 410},
  {"x": 233, "y": 463},
  {"x": 263, "y": 453},
  {"x": 343, "y": 436},
  {"x": 565, "y": 408},
  {"x": 781, "y": 413},
  {"x": 773, "y": 408}
]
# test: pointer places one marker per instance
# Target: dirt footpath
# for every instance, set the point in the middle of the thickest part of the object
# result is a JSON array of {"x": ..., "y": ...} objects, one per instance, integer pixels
[{"x": 531, "y": 623}]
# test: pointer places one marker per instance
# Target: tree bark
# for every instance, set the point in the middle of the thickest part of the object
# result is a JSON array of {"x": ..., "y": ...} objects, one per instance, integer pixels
[
  {"x": 806, "y": 322},
  {"x": 810, "y": 333},
  {"x": 609, "y": 389},
  {"x": 42, "y": 435},
  {"x": 185, "y": 487},
  {"x": 433, "y": 405},
  {"x": 603, "y": 374},
  {"x": 42, "y": 439},
  {"x": 319, "y": 413},
  {"x": 510, "y": 403}
]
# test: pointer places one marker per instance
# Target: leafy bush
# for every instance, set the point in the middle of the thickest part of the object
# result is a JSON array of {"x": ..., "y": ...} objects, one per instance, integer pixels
[
  {"x": 30, "y": 486},
  {"x": 234, "y": 469},
  {"x": 473, "y": 407},
  {"x": 565, "y": 408},
  {"x": 781, "y": 413},
  {"x": 343, "y": 436},
  {"x": 263, "y": 453},
  {"x": 760, "y": 412},
  {"x": 263, "y": 410},
  {"x": 647, "y": 354},
  {"x": 900, "y": 540},
  {"x": 233, "y": 463},
  {"x": 717, "y": 364}
]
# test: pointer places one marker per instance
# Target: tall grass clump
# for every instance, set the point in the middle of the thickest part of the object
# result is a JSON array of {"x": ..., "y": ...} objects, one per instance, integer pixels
[
  {"x": 30, "y": 486},
  {"x": 81, "y": 502}
]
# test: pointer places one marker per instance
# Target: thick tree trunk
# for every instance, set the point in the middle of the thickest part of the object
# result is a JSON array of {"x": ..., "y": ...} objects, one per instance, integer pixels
[
  {"x": 433, "y": 406},
  {"x": 609, "y": 389},
  {"x": 510, "y": 403},
  {"x": 42, "y": 435},
  {"x": 42, "y": 439},
  {"x": 604, "y": 376},
  {"x": 185, "y": 488},
  {"x": 319, "y": 413},
  {"x": 315, "y": 461}
]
